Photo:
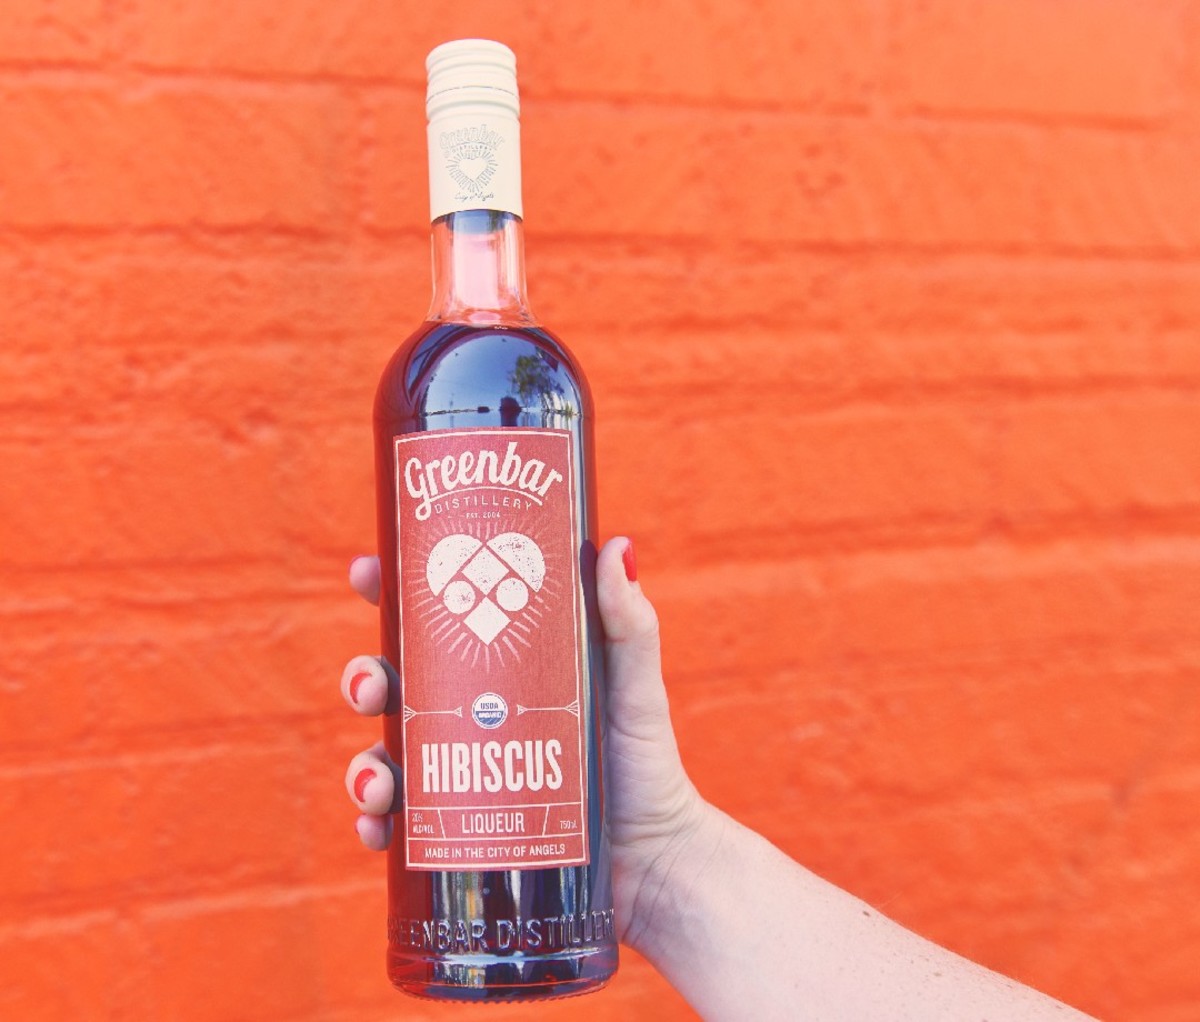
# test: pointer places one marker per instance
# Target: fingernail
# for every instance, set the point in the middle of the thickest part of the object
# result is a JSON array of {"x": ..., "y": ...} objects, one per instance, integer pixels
[
  {"x": 630, "y": 560},
  {"x": 357, "y": 680},
  {"x": 364, "y": 777}
]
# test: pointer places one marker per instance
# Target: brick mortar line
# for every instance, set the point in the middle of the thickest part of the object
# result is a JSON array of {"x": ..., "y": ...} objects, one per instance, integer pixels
[
  {"x": 208, "y": 233},
  {"x": 1057, "y": 793},
  {"x": 1024, "y": 557},
  {"x": 148, "y": 910},
  {"x": 172, "y": 754},
  {"x": 183, "y": 744},
  {"x": 328, "y": 727},
  {"x": 151, "y": 906},
  {"x": 131, "y": 80},
  {"x": 919, "y": 671},
  {"x": 833, "y": 546},
  {"x": 998, "y": 393},
  {"x": 985, "y": 530},
  {"x": 66, "y": 922},
  {"x": 634, "y": 100},
  {"x": 844, "y": 399},
  {"x": 255, "y": 897},
  {"x": 917, "y": 679},
  {"x": 283, "y": 337},
  {"x": 332, "y": 250},
  {"x": 1082, "y": 653},
  {"x": 347, "y": 233}
]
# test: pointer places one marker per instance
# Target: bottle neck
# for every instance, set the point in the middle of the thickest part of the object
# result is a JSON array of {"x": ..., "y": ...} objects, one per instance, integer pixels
[{"x": 479, "y": 269}]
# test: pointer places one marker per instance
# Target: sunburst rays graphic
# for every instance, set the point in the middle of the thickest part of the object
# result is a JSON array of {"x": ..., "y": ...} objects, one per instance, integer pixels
[
  {"x": 571, "y": 708},
  {"x": 409, "y": 713},
  {"x": 445, "y": 620}
]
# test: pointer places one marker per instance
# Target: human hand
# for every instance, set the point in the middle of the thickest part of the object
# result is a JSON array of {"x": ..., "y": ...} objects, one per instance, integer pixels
[
  {"x": 692, "y": 885},
  {"x": 654, "y": 810}
]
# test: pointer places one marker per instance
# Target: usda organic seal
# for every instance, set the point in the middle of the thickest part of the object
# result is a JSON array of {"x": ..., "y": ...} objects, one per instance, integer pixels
[{"x": 489, "y": 710}]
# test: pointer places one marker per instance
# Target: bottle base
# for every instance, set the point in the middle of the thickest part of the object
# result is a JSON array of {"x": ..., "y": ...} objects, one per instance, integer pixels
[{"x": 500, "y": 978}]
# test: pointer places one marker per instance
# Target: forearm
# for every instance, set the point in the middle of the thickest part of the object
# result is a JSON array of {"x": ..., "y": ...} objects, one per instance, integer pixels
[{"x": 744, "y": 932}]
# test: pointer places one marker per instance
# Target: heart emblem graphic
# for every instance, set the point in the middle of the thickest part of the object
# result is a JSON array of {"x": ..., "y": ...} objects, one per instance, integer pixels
[
  {"x": 473, "y": 168},
  {"x": 485, "y": 583}
]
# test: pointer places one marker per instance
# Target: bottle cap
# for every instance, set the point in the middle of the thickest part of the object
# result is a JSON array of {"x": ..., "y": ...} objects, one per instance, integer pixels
[{"x": 469, "y": 72}]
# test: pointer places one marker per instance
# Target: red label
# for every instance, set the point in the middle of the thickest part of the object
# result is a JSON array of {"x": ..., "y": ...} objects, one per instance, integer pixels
[{"x": 490, "y": 650}]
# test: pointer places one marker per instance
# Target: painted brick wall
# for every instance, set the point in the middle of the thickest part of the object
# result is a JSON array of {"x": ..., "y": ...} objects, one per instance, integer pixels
[{"x": 892, "y": 310}]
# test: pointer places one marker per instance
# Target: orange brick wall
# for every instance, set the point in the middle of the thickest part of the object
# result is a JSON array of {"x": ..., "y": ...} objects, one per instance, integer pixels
[{"x": 892, "y": 310}]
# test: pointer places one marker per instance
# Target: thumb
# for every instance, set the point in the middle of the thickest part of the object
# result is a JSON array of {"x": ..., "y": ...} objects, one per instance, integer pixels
[
  {"x": 651, "y": 793},
  {"x": 637, "y": 698}
]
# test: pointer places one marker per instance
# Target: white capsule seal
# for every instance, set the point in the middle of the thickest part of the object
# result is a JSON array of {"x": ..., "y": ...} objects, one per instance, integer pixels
[{"x": 474, "y": 133}]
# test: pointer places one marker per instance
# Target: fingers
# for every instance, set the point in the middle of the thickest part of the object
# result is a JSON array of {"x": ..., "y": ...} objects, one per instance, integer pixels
[
  {"x": 364, "y": 578},
  {"x": 374, "y": 831},
  {"x": 372, "y": 782},
  {"x": 370, "y": 686}
]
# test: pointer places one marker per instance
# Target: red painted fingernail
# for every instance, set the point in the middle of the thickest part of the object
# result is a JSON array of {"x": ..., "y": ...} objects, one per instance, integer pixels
[
  {"x": 630, "y": 560},
  {"x": 357, "y": 680},
  {"x": 364, "y": 777}
]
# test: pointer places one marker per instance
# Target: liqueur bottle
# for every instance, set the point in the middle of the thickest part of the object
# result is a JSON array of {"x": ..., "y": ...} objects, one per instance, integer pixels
[{"x": 498, "y": 870}]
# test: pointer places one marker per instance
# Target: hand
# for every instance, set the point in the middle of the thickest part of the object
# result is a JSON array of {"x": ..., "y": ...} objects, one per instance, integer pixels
[
  {"x": 653, "y": 808},
  {"x": 692, "y": 885}
]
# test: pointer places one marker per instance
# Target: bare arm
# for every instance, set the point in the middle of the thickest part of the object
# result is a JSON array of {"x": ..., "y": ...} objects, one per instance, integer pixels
[
  {"x": 743, "y": 931},
  {"x": 738, "y": 928}
]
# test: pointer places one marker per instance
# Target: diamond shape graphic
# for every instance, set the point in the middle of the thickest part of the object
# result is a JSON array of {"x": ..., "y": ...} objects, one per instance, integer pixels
[
  {"x": 485, "y": 569},
  {"x": 485, "y": 586},
  {"x": 486, "y": 620},
  {"x": 445, "y": 559}
]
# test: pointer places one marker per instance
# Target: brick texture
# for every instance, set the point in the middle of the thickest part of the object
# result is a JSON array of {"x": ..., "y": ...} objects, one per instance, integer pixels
[
  {"x": 163, "y": 156},
  {"x": 1107, "y": 60},
  {"x": 53, "y": 32},
  {"x": 891, "y": 313}
]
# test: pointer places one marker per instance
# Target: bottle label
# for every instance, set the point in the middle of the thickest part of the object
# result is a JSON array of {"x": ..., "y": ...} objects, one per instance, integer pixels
[
  {"x": 490, "y": 650},
  {"x": 474, "y": 162}
]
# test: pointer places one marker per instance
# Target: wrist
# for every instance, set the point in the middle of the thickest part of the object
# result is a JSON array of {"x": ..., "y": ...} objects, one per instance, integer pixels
[{"x": 673, "y": 878}]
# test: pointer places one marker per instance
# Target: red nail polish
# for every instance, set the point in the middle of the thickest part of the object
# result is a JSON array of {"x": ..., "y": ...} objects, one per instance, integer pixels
[
  {"x": 630, "y": 561},
  {"x": 357, "y": 680},
  {"x": 364, "y": 777}
]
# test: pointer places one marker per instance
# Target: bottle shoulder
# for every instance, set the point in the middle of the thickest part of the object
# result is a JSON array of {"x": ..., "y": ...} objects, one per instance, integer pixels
[{"x": 517, "y": 375}]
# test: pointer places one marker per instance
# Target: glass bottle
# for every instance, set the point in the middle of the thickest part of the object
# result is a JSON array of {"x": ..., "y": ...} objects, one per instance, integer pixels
[{"x": 499, "y": 885}]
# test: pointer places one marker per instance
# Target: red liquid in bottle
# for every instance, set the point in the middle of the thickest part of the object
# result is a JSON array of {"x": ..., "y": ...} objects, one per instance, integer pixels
[{"x": 477, "y": 933}]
